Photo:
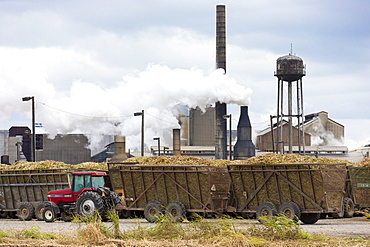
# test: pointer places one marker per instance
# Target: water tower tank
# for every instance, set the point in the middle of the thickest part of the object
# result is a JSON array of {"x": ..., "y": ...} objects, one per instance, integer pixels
[{"x": 290, "y": 68}]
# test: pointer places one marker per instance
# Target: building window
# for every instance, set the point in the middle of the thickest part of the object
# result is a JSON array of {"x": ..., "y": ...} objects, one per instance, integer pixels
[{"x": 39, "y": 141}]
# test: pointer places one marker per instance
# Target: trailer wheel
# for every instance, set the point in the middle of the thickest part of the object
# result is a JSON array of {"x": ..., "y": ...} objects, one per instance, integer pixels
[
  {"x": 125, "y": 214},
  {"x": 88, "y": 203},
  {"x": 26, "y": 211},
  {"x": 153, "y": 210},
  {"x": 290, "y": 210},
  {"x": 176, "y": 210},
  {"x": 66, "y": 217},
  {"x": 310, "y": 218},
  {"x": 349, "y": 208},
  {"x": 190, "y": 216},
  {"x": 266, "y": 209},
  {"x": 48, "y": 214},
  {"x": 38, "y": 211},
  {"x": 3, "y": 214},
  {"x": 246, "y": 215}
]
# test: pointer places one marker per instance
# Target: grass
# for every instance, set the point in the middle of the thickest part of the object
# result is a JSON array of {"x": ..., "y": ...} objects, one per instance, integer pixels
[{"x": 275, "y": 231}]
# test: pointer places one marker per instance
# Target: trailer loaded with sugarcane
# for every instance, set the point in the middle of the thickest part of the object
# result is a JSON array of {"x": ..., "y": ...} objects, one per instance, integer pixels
[{"x": 300, "y": 191}]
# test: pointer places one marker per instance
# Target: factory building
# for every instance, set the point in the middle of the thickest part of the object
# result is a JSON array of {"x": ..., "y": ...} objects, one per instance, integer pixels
[
  {"x": 16, "y": 146},
  {"x": 264, "y": 138},
  {"x": 316, "y": 125}
]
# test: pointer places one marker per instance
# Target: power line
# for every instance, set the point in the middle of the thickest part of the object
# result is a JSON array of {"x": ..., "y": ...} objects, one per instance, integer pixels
[{"x": 80, "y": 115}]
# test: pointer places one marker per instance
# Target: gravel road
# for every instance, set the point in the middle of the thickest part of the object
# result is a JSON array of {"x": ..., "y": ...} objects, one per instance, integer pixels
[{"x": 342, "y": 228}]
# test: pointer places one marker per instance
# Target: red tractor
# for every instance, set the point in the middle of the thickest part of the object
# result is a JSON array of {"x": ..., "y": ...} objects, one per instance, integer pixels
[{"x": 88, "y": 195}]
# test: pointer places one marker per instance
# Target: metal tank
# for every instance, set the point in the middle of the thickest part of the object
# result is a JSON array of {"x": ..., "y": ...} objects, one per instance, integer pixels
[{"x": 290, "y": 68}]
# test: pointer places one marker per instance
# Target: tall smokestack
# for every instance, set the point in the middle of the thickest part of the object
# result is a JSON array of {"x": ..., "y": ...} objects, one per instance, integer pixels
[
  {"x": 220, "y": 128},
  {"x": 244, "y": 147}
]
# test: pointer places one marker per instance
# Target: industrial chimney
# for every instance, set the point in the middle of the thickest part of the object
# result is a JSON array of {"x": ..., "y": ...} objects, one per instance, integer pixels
[
  {"x": 119, "y": 148},
  {"x": 244, "y": 147},
  {"x": 176, "y": 142},
  {"x": 220, "y": 108}
]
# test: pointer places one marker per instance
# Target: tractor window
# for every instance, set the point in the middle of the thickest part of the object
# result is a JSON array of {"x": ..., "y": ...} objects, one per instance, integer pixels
[
  {"x": 78, "y": 182},
  {"x": 88, "y": 181},
  {"x": 97, "y": 181}
]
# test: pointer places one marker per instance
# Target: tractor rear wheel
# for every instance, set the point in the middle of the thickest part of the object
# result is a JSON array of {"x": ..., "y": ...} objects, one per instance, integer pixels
[{"x": 90, "y": 203}]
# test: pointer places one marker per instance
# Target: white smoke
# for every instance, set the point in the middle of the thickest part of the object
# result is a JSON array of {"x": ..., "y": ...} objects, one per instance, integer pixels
[
  {"x": 322, "y": 137},
  {"x": 93, "y": 110}
]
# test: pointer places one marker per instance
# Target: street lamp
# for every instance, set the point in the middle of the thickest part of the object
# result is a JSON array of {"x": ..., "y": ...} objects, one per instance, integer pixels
[
  {"x": 142, "y": 129},
  {"x": 230, "y": 134},
  {"x": 33, "y": 146},
  {"x": 159, "y": 145}
]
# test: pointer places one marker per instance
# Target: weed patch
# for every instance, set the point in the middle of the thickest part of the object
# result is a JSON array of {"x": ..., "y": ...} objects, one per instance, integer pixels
[{"x": 278, "y": 227}]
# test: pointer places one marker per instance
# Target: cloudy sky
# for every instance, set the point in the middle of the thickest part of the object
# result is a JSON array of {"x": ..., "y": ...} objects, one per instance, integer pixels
[{"x": 92, "y": 64}]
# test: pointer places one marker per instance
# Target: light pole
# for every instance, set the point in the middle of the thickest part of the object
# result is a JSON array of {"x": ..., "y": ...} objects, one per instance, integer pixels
[
  {"x": 142, "y": 129},
  {"x": 33, "y": 146},
  {"x": 230, "y": 133},
  {"x": 159, "y": 144}
]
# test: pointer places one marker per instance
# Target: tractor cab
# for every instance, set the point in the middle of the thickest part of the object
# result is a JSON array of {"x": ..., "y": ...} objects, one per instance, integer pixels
[
  {"x": 81, "y": 181},
  {"x": 87, "y": 180}
]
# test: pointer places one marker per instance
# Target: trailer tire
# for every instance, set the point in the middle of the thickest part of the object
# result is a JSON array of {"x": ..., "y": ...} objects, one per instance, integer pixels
[
  {"x": 176, "y": 211},
  {"x": 310, "y": 218},
  {"x": 3, "y": 214},
  {"x": 247, "y": 216},
  {"x": 153, "y": 210},
  {"x": 348, "y": 208},
  {"x": 290, "y": 210},
  {"x": 89, "y": 203},
  {"x": 266, "y": 209},
  {"x": 48, "y": 214},
  {"x": 25, "y": 211},
  {"x": 38, "y": 211},
  {"x": 191, "y": 216},
  {"x": 66, "y": 217},
  {"x": 125, "y": 214}
]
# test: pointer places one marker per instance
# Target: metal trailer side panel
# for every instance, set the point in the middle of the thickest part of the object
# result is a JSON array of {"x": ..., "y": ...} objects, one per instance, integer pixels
[
  {"x": 199, "y": 188},
  {"x": 29, "y": 186},
  {"x": 360, "y": 185},
  {"x": 313, "y": 187}
]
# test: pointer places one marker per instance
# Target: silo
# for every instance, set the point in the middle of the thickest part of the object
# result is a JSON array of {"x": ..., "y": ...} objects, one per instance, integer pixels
[{"x": 289, "y": 69}]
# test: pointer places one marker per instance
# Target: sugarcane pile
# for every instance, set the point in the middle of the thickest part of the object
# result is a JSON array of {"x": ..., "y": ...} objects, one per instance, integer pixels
[
  {"x": 51, "y": 164},
  {"x": 364, "y": 163}
]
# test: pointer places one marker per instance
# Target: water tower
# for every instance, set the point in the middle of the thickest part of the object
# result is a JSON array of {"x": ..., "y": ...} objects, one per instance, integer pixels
[{"x": 289, "y": 71}]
